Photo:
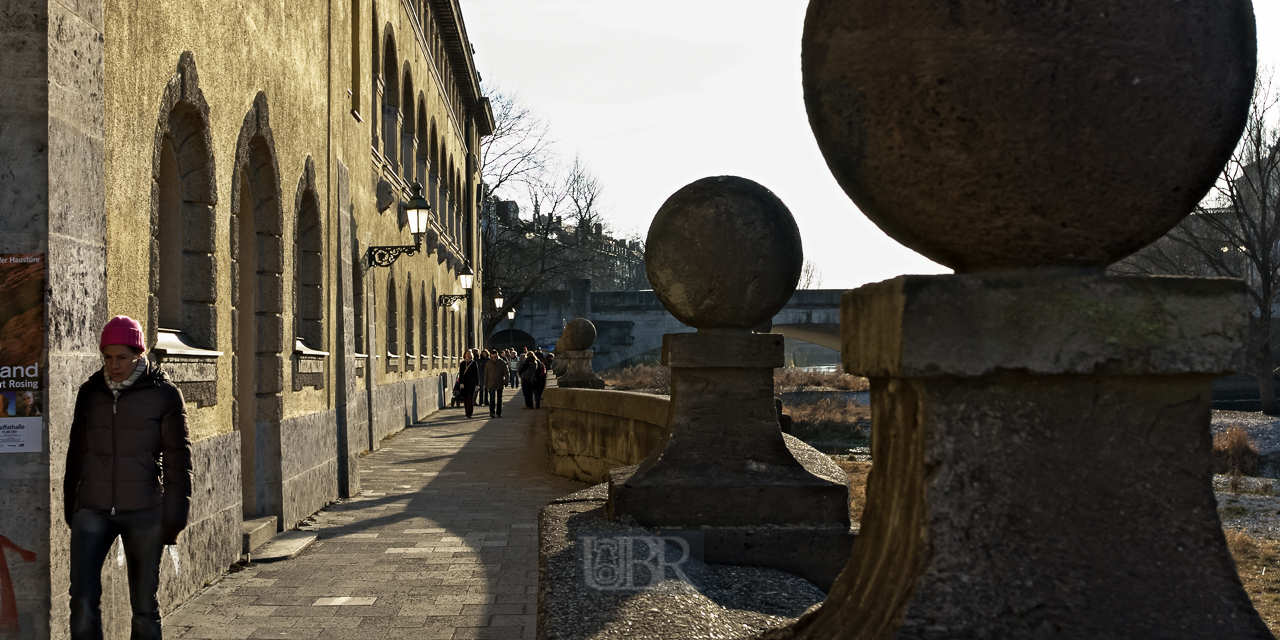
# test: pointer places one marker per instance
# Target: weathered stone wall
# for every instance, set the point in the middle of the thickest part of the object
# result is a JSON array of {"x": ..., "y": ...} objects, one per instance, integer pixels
[
  {"x": 592, "y": 431},
  {"x": 211, "y": 542},
  {"x": 309, "y": 448},
  {"x": 51, "y": 151}
]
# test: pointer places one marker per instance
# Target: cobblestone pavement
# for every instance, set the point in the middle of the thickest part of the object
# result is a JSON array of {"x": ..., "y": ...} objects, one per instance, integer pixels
[{"x": 441, "y": 544}]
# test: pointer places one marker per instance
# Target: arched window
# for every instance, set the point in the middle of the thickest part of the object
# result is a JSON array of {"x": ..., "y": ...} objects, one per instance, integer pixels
[
  {"x": 390, "y": 102},
  {"x": 308, "y": 265},
  {"x": 408, "y": 324},
  {"x": 375, "y": 95},
  {"x": 393, "y": 316},
  {"x": 184, "y": 273},
  {"x": 435, "y": 322},
  {"x": 355, "y": 58},
  {"x": 423, "y": 336},
  {"x": 358, "y": 301},
  {"x": 433, "y": 179},
  {"x": 407, "y": 133},
  {"x": 420, "y": 140}
]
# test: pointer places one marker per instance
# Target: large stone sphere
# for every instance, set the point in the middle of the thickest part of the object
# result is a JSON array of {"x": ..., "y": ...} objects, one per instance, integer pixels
[
  {"x": 579, "y": 334},
  {"x": 723, "y": 253},
  {"x": 990, "y": 135}
]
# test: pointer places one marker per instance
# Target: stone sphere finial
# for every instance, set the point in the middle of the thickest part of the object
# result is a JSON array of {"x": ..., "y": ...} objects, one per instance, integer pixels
[
  {"x": 579, "y": 334},
  {"x": 723, "y": 253},
  {"x": 990, "y": 136}
]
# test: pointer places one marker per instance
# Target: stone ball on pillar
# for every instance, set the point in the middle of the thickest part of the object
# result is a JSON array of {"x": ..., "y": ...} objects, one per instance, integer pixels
[
  {"x": 579, "y": 334},
  {"x": 989, "y": 139},
  {"x": 723, "y": 253}
]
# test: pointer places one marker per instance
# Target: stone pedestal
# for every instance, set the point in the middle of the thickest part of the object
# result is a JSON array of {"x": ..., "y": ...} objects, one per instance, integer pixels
[
  {"x": 726, "y": 470},
  {"x": 1042, "y": 460},
  {"x": 578, "y": 373}
]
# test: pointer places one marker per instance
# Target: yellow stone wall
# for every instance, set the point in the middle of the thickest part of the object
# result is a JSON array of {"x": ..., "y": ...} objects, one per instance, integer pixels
[{"x": 297, "y": 52}]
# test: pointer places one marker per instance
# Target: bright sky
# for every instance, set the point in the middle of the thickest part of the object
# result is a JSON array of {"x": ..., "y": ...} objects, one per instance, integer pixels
[{"x": 654, "y": 95}]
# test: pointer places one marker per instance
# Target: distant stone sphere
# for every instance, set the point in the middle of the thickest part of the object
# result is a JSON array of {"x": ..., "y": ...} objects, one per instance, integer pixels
[
  {"x": 723, "y": 253},
  {"x": 579, "y": 334},
  {"x": 991, "y": 137}
]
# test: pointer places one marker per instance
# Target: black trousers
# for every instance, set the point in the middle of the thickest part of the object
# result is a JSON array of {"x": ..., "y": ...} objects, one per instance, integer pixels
[
  {"x": 495, "y": 403},
  {"x": 469, "y": 399},
  {"x": 92, "y": 533}
]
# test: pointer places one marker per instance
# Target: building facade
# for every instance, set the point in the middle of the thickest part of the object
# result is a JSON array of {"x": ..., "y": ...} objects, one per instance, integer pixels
[{"x": 218, "y": 169}]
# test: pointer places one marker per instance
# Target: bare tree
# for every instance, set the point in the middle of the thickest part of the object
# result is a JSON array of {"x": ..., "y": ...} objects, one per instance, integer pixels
[
  {"x": 810, "y": 277},
  {"x": 519, "y": 148},
  {"x": 1234, "y": 233},
  {"x": 559, "y": 241}
]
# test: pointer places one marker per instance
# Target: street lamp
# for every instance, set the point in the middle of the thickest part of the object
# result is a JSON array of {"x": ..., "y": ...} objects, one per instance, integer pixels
[
  {"x": 417, "y": 209},
  {"x": 497, "y": 299},
  {"x": 450, "y": 300}
]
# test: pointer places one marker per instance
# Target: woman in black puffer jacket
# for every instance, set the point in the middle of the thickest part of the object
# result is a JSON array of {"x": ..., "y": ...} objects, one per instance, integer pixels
[{"x": 128, "y": 475}]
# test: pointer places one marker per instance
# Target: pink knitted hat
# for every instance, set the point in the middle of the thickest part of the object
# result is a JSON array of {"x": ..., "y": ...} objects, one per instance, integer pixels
[{"x": 122, "y": 330}]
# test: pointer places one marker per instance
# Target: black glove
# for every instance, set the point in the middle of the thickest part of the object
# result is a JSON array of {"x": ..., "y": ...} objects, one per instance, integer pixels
[{"x": 169, "y": 534}]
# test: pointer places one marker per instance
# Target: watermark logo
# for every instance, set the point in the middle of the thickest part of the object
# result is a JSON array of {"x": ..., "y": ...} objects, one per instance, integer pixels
[{"x": 628, "y": 563}]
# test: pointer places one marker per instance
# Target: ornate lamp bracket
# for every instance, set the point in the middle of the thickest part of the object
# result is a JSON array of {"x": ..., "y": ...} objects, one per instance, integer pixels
[{"x": 385, "y": 256}]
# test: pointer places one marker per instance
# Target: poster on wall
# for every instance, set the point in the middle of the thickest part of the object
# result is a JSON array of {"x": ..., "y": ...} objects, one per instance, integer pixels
[{"x": 21, "y": 349}]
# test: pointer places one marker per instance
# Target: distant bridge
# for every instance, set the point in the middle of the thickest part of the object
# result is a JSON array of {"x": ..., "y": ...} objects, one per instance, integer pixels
[{"x": 631, "y": 323}]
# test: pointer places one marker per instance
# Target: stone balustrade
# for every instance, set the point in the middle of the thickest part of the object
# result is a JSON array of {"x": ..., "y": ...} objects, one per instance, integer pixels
[{"x": 592, "y": 431}]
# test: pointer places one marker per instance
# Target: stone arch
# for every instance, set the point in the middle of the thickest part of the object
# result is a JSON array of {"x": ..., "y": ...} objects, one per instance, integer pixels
[
  {"x": 183, "y": 269},
  {"x": 257, "y": 255},
  {"x": 308, "y": 262}
]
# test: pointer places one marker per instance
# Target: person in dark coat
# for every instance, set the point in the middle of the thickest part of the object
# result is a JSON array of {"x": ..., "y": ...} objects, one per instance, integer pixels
[
  {"x": 468, "y": 379},
  {"x": 128, "y": 475},
  {"x": 495, "y": 378},
  {"x": 533, "y": 375},
  {"x": 483, "y": 361}
]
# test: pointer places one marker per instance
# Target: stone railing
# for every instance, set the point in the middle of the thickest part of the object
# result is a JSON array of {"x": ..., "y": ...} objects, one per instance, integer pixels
[{"x": 592, "y": 431}]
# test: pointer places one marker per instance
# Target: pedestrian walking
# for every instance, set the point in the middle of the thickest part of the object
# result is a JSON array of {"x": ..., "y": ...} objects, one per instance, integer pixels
[
  {"x": 128, "y": 475},
  {"x": 494, "y": 380},
  {"x": 468, "y": 380},
  {"x": 483, "y": 361},
  {"x": 533, "y": 374},
  {"x": 513, "y": 363}
]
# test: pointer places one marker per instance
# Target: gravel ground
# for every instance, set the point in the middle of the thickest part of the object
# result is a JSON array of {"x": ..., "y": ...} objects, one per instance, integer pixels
[
  {"x": 1263, "y": 429},
  {"x": 1255, "y": 508}
]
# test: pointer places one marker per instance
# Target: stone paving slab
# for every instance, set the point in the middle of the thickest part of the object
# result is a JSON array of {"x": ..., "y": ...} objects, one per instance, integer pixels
[{"x": 442, "y": 544}]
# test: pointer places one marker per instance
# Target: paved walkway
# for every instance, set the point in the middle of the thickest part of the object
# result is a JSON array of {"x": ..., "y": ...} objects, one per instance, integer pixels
[{"x": 442, "y": 544}]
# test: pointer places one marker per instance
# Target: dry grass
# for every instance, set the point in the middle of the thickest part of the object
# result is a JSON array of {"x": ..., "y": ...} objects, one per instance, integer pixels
[
  {"x": 1234, "y": 453},
  {"x": 792, "y": 377},
  {"x": 857, "y": 472},
  {"x": 647, "y": 377},
  {"x": 1258, "y": 563},
  {"x": 830, "y": 412}
]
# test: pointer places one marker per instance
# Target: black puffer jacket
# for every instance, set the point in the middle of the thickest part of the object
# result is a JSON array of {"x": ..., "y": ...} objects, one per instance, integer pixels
[{"x": 120, "y": 449}]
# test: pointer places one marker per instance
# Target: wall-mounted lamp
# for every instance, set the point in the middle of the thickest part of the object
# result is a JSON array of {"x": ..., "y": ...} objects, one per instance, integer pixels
[
  {"x": 418, "y": 210},
  {"x": 465, "y": 278}
]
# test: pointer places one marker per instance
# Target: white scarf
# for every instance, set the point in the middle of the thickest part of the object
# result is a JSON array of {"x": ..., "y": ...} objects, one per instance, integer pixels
[{"x": 117, "y": 387}]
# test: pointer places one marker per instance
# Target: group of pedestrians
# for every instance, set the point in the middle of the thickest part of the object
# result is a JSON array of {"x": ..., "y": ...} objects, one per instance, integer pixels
[{"x": 484, "y": 374}]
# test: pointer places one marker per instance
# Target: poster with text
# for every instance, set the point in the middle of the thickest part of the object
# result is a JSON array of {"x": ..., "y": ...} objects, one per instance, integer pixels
[{"x": 22, "y": 278}]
